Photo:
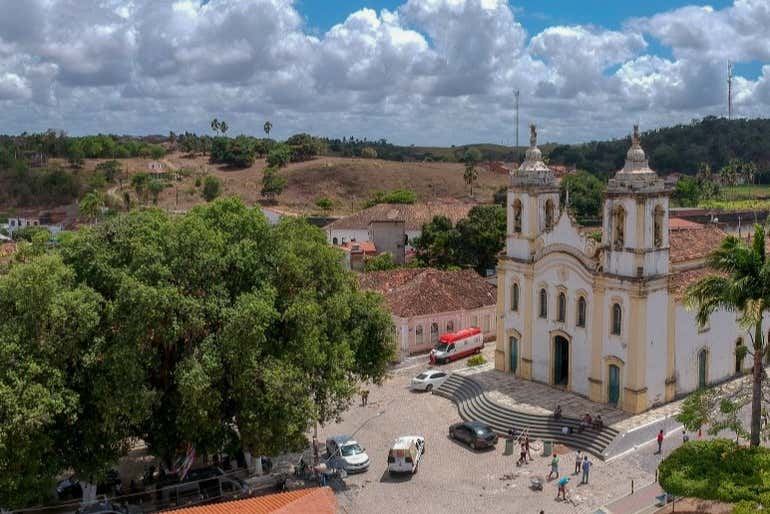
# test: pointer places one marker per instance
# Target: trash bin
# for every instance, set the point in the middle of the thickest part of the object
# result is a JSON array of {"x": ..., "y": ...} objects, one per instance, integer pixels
[
  {"x": 547, "y": 448},
  {"x": 508, "y": 446}
]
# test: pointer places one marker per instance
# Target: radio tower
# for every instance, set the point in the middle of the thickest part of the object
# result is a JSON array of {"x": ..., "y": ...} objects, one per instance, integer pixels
[
  {"x": 729, "y": 90},
  {"x": 516, "y": 117}
]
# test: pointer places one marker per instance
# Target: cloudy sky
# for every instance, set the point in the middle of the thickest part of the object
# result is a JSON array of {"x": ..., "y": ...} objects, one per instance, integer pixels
[{"x": 412, "y": 71}]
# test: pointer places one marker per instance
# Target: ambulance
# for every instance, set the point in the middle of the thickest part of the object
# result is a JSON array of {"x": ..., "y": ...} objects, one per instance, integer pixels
[{"x": 456, "y": 345}]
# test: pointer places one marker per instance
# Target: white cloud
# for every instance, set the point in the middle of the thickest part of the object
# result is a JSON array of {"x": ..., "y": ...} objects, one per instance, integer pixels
[{"x": 431, "y": 71}]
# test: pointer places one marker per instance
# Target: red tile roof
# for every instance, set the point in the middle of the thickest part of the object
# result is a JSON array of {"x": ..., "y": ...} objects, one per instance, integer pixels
[
  {"x": 317, "y": 500},
  {"x": 680, "y": 223},
  {"x": 413, "y": 215},
  {"x": 693, "y": 244},
  {"x": 678, "y": 282},
  {"x": 366, "y": 247},
  {"x": 420, "y": 291}
]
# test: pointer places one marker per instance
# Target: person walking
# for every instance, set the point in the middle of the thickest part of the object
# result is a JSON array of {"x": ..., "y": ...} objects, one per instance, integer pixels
[
  {"x": 554, "y": 467},
  {"x": 526, "y": 446},
  {"x": 578, "y": 461},
  {"x": 586, "y": 468},
  {"x": 522, "y": 455},
  {"x": 562, "y": 488},
  {"x": 660, "y": 442}
]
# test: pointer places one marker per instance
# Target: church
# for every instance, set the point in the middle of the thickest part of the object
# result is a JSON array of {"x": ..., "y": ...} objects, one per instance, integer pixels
[{"x": 604, "y": 318}]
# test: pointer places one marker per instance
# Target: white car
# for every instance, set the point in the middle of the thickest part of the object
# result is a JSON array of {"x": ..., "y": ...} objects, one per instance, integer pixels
[
  {"x": 429, "y": 380},
  {"x": 348, "y": 453},
  {"x": 405, "y": 454}
]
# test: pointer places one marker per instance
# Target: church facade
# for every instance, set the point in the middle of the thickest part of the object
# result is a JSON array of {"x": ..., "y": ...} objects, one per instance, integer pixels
[{"x": 605, "y": 319}]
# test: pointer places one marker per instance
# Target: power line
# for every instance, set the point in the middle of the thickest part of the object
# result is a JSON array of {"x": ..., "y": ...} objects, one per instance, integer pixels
[
  {"x": 516, "y": 116},
  {"x": 729, "y": 90}
]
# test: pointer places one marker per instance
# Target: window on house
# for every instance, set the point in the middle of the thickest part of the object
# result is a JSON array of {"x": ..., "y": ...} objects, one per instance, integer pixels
[
  {"x": 617, "y": 318},
  {"x": 561, "y": 307},
  {"x": 543, "y": 303},
  {"x": 517, "y": 217},
  {"x": 487, "y": 323},
  {"x": 619, "y": 228},
  {"x": 515, "y": 297},
  {"x": 450, "y": 326},
  {"x": 581, "y": 312},
  {"x": 434, "y": 333},
  {"x": 475, "y": 321},
  {"x": 549, "y": 213},
  {"x": 418, "y": 335},
  {"x": 334, "y": 241},
  {"x": 740, "y": 353},
  {"x": 658, "y": 227}
]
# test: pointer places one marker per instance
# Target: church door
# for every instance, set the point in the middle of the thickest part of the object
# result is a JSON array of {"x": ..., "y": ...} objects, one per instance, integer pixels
[
  {"x": 702, "y": 363},
  {"x": 514, "y": 354},
  {"x": 614, "y": 385},
  {"x": 560, "y": 361}
]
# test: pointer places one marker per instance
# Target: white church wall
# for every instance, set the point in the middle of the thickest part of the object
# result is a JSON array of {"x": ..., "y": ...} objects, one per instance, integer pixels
[{"x": 657, "y": 345}]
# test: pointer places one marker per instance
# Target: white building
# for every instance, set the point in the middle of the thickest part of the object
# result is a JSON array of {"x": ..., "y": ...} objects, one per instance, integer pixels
[
  {"x": 605, "y": 319},
  {"x": 15, "y": 224}
]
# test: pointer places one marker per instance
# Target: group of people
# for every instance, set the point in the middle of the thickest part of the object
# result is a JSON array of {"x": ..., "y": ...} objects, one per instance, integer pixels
[
  {"x": 582, "y": 464},
  {"x": 586, "y": 421}
]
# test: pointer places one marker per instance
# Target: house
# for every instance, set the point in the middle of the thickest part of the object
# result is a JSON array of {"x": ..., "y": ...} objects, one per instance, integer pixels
[
  {"x": 606, "y": 319},
  {"x": 357, "y": 253},
  {"x": 312, "y": 500},
  {"x": 18, "y": 223},
  {"x": 427, "y": 302},
  {"x": 358, "y": 227}
]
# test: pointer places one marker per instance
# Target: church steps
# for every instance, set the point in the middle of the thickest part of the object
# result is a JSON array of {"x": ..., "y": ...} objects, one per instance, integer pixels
[{"x": 473, "y": 404}]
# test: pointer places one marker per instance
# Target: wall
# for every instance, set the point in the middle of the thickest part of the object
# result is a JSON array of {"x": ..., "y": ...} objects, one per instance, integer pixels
[
  {"x": 346, "y": 235},
  {"x": 460, "y": 319},
  {"x": 388, "y": 236}
]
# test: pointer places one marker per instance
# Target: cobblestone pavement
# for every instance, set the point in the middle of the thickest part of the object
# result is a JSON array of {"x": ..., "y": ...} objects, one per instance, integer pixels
[{"x": 453, "y": 478}]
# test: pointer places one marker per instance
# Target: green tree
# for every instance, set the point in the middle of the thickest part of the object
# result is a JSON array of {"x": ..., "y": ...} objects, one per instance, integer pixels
[
  {"x": 272, "y": 183},
  {"x": 75, "y": 154},
  {"x": 155, "y": 187},
  {"x": 223, "y": 127},
  {"x": 241, "y": 152},
  {"x": 215, "y": 125},
  {"x": 586, "y": 194},
  {"x": 436, "y": 244},
  {"x": 687, "y": 192},
  {"x": 111, "y": 169},
  {"x": 303, "y": 147},
  {"x": 91, "y": 206},
  {"x": 279, "y": 156},
  {"x": 267, "y": 128},
  {"x": 471, "y": 158},
  {"x": 381, "y": 262},
  {"x": 140, "y": 182},
  {"x": 480, "y": 237},
  {"x": 368, "y": 153},
  {"x": 744, "y": 287},
  {"x": 324, "y": 203},
  {"x": 212, "y": 188}
]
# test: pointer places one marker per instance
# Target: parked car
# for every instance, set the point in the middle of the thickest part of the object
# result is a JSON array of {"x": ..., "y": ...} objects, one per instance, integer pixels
[
  {"x": 456, "y": 345},
  {"x": 405, "y": 454},
  {"x": 209, "y": 483},
  {"x": 108, "y": 507},
  {"x": 70, "y": 488},
  {"x": 348, "y": 453},
  {"x": 473, "y": 433},
  {"x": 429, "y": 380}
]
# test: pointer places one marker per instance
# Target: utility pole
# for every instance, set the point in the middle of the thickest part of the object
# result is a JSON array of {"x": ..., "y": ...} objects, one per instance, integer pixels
[
  {"x": 729, "y": 90},
  {"x": 516, "y": 117}
]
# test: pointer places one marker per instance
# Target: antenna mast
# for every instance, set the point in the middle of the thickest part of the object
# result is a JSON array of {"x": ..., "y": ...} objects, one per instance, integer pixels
[
  {"x": 729, "y": 90},
  {"x": 516, "y": 117}
]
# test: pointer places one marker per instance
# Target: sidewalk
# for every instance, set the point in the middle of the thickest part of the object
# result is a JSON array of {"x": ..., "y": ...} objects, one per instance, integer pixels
[{"x": 643, "y": 500}]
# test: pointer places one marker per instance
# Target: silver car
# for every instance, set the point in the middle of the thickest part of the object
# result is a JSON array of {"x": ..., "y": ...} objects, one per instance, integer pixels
[{"x": 429, "y": 380}]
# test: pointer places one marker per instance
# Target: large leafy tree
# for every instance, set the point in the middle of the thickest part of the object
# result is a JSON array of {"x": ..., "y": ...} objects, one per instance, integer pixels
[
  {"x": 585, "y": 194},
  {"x": 742, "y": 286}
]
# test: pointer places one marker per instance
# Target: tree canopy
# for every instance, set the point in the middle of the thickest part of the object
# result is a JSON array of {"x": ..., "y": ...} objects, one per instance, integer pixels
[
  {"x": 212, "y": 328},
  {"x": 586, "y": 195}
]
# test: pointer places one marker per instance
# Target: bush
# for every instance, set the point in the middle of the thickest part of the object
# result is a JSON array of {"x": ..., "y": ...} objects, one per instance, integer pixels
[
  {"x": 395, "y": 196},
  {"x": 272, "y": 184},
  {"x": 368, "y": 153},
  {"x": 718, "y": 470},
  {"x": 212, "y": 187},
  {"x": 477, "y": 360},
  {"x": 279, "y": 156},
  {"x": 324, "y": 203},
  {"x": 381, "y": 262}
]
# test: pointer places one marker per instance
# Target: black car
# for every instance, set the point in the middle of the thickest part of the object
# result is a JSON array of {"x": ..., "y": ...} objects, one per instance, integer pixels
[
  {"x": 473, "y": 433},
  {"x": 70, "y": 488}
]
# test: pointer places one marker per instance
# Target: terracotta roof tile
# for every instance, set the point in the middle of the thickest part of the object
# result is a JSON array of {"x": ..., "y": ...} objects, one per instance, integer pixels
[
  {"x": 681, "y": 223},
  {"x": 693, "y": 244},
  {"x": 366, "y": 247},
  {"x": 317, "y": 500},
  {"x": 678, "y": 282},
  {"x": 418, "y": 291},
  {"x": 413, "y": 215}
]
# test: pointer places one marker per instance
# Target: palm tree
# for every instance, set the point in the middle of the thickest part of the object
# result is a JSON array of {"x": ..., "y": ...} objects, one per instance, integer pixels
[
  {"x": 471, "y": 174},
  {"x": 215, "y": 125},
  {"x": 223, "y": 127},
  {"x": 268, "y": 127},
  {"x": 743, "y": 286},
  {"x": 91, "y": 206}
]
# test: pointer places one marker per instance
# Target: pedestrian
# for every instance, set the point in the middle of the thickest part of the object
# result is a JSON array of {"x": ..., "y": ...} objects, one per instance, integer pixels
[
  {"x": 586, "y": 468},
  {"x": 562, "y": 488},
  {"x": 522, "y": 455},
  {"x": 554, "y": 466},
  {"x": 685, "y": 437},
  {"x": 526, "y": 446},
  {"x": 660, "y": 442},
  {"x": 364, "y": 397},
  {"x": 578, "y": 461}
]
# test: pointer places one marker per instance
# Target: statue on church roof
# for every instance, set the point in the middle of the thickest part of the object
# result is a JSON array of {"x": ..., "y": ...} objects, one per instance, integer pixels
[
  {"x": 532, "y": 135},
  {"x": 635, "y": 139}
]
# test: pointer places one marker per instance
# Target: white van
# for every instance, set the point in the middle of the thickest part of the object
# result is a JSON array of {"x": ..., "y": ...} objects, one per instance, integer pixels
[{"x": 405, "y": 454}]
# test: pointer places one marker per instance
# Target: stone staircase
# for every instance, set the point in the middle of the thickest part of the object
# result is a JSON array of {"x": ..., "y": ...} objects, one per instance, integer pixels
[{"x": 473, "y": 404}]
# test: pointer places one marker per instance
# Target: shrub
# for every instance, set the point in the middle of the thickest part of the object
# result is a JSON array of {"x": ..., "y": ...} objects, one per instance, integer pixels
[
  {"x": 324, "y": 203},
  {"x": 477, "y": 360},
  {"x": 395, "y": 196},
  {"x": 279, "y": 156},
  {"x": 212, "y": 187},
  {"x": 368, "y": 153},
  {"x": 381, "y": 262},
  {"x": 272, "y": 184}
]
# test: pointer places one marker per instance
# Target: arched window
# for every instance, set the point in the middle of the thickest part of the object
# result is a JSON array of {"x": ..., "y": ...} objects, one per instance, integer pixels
[
  {"x": 450, "y": 325},
  {"x": 334, "y": 241},
  {"x": 475, "y": 321},
  {"x": 434, "y": 333},
  {"x": 619, "y": 227},
  {"x": 740, "y": 353},
  {"x": 543, "y": 303},
  {"x": 657, "y": 227},
  {"x": 418, "y": 335},
  {"x": 517, "y": 217},
  {"x": 561, "y": 308},
  {"x": 515, "y": 297},
  {"x": 549, "y": 213},
  {"x": 617, "y": 318},
  {"x": 581, "y": 312}
]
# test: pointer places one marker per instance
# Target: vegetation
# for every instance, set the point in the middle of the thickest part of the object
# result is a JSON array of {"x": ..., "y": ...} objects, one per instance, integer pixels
[
  {"x": 395, "y": 196},
  {"x": 471, "y": 174},
  {"x": 212, "y": 188},
  {"x": 279, "y": 156},
  {"x": 476, "y": 360},
  {"x": 176, "y": 330},
  {"x": 586, "y": 195},
  {"x": 91, "y": 206},
  {"x": 304, "y": 147},
  {"x": 473, "y": 243},
  {"x": 324, "y": 203},
  {"x": 368, "y": 153},
  {"x": 718, "y": 470},
  {"x": 381, "y": 262},
  {"x": 273, "y": 184},
  {"x": 744, "y": 288}
]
